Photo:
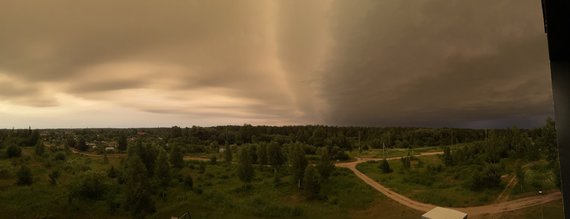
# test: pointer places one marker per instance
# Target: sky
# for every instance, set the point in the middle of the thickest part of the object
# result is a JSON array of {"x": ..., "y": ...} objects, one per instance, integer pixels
[{"x": 143, "y": 63}]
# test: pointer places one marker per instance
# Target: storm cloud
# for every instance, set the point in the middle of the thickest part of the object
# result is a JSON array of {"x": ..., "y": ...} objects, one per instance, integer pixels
[{"x": 364, "y": 62}]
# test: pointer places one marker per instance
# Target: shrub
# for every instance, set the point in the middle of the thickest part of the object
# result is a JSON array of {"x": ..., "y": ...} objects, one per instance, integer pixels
[
  {"x": 90, "y": 186},
  {"x": 53, "y": 176},
  {"x": 13, "y": 151},
  {"x": 188, "y": 182},
  {"x": 385, "y": 167},
  {"x": 59, "y": 156},
  {"x": 25, "y": 177}
]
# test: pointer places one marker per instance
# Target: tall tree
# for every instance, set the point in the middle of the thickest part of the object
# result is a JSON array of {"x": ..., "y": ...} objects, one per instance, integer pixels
[
  {"x": 176, "y": 157},
  {"x": 275, "y": 156},
  {"x": 447, "y": 157},
  {"x": 122, "y": 142},
  {"x": 138, "y": 190},
  {"x": 162, "y": 172},
  {"x": 311, "y": 183},
  {"x": 325, "y": 165},
  {"x": 297, "y": 163},
  {"x": 245, "y": 169}
]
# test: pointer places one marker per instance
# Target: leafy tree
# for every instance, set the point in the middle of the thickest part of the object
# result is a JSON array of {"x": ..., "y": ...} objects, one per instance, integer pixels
[
  {"x": 385, "y": 166},
  {"x": 138, "y": 189},
  {"x": 520, "y": 175},
  {"x": 485, "y": 178},
  {"x": 213, "y": 160},
  {"x": 297, "y": 163},
  {"x": 25, "y": 177},
  {"x": 176, "y": 157},
  {"x": 162, "y": 172},
  {"x": 447, "y": 157},
  {"x": 245, "y": 169},
  {"x": 325, "y": 165},
  {"x": 311, "y": 183},
  {"x": 262, "y": 154},
  {"x": 13, "y": 151},
  {"x": 176, "y": 132},
  {"x": 275, "y": 156},
  {"x": 548, "y": 140},
  {"x": 33, "y": 138},
  {"x": 70, "y": 143},
  {"x": 122, "y": 142},
  {"x": 82, "y": 145}
]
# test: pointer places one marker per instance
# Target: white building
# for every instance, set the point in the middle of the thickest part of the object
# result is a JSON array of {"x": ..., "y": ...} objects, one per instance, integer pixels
[{"x": 444, "y": 213}]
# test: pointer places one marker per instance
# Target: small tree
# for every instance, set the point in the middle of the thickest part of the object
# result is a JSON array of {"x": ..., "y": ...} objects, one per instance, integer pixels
[
  {"x": 245, "y": 169},
  {"x": 25, "y": 177},
  {"x": 311, "y": 185},
  {"x": 385, "y": 166}
]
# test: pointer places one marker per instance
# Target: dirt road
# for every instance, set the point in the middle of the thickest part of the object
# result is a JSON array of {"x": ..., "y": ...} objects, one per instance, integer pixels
[{"x": 424, "y": 207}]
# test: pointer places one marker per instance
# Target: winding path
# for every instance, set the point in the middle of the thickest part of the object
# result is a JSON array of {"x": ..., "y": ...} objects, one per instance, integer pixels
[{"x": 424, "y": 207}]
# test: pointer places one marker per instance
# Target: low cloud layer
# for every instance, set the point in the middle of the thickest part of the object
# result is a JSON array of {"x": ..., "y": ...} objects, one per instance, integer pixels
[{"x": 365, "y": 62}]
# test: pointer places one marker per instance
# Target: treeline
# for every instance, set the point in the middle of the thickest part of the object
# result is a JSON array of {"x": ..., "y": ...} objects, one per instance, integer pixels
[
  {"x": 485, "y": 159},
  {"x": 346, "y": 138}
]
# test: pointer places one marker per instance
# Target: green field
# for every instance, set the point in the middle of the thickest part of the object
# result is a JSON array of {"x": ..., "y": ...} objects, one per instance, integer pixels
[
  {"x": 217, "y": 193},
  {"x": 440, "y": 189}
]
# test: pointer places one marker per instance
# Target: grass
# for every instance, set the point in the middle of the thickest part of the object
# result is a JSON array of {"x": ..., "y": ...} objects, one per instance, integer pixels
[
  {"x": 444, "y": 189},
  {"x": 551, "y": 210},
  {"x": 217, "y": 193}
]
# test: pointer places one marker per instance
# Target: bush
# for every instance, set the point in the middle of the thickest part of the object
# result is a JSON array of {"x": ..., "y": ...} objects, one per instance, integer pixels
[
  {"x": 188, "y": 182},
  {"x": 90, "y": 186},
  {"x": 25, "y": 177},
  {"x": 59, "y": 156},
  {"x": 385, "y": 167},
  {"x": 13, "y": 151},
  {"x": 53, "y": 176}
]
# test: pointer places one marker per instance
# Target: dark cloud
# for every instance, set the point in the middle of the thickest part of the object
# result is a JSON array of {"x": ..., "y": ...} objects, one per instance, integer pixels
[
  {"x": 362, "y": 62},
  {"x": 437, "y": 63}
]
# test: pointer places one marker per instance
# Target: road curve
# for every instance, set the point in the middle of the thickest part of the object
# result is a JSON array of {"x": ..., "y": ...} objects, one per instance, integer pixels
[{"x": 424, "y": 207}]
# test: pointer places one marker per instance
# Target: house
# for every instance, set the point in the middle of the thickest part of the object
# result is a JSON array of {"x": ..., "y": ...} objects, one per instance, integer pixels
[
  {"x": 110, "y": 149},
  {"x": 444, "y": 213}
]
